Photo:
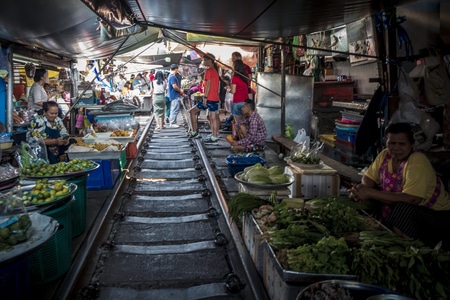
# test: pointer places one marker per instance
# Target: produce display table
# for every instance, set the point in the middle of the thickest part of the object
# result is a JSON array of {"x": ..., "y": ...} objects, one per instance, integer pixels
[
  {"x": 280, "y": 283},
  {"x": 80, "y": 196}
]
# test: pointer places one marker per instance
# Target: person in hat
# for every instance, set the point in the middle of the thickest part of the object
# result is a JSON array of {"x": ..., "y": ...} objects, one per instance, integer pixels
[
  {"x": 175, "y": 95},
  {"x": 211, "y": 84}
]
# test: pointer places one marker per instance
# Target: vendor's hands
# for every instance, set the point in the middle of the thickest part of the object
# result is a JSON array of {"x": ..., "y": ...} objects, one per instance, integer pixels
[
  {"x": 359, "y": 192},
  {"x": 62, "y": 142}
]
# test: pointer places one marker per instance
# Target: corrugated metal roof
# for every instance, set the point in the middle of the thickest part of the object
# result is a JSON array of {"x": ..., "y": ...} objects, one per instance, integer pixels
[{"x": 70, "y": 28}]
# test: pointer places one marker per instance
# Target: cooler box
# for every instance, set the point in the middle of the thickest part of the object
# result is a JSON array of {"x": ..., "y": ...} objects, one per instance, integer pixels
[{"x": 313, "y": 183}]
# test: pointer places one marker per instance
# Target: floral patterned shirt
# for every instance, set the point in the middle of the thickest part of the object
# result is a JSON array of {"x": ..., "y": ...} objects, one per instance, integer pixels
[{"x": 38, "y": 125}]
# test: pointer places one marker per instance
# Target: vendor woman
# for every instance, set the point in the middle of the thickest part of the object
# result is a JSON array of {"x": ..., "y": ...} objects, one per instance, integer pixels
[
  {"x": 50, "y": 128},
  {"x": 413, "y": 200}
]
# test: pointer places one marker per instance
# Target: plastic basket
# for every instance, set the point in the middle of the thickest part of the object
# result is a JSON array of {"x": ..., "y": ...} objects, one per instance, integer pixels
[
  {"x": 15, "y": 280},
  {"x": 78, "y": 209},
  {"x": 54, "y": 259},
  {"x": 238, "y": 164}
]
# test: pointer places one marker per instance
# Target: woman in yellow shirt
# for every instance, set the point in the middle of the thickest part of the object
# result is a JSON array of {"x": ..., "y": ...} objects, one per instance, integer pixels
[{"x": 414, "y": 200}]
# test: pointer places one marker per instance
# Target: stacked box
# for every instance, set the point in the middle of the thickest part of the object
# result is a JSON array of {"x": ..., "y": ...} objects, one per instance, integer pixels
[{"x": 313, "y": 183}]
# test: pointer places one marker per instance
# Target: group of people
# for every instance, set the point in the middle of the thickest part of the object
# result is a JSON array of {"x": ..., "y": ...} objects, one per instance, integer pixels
[{"x": 247, "y": 123}]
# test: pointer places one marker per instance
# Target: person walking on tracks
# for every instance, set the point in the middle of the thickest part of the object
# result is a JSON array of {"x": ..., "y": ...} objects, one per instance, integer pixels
[
  {"x": 211, "y": 99},
  {"x": 175, "y": 95},
  {"x": 159, "y": 99}
]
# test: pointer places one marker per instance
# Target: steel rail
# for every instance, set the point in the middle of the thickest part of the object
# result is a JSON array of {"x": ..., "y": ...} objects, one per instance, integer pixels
[{"x": 256, "y": 285}]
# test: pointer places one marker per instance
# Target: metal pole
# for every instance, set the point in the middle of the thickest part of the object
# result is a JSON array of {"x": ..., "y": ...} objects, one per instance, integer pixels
[
  {"x": 283, "y": 92},
  {"x": 9, "y": 99}
]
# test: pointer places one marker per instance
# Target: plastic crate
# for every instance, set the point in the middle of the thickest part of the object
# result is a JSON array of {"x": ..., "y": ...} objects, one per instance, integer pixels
[
  {"x": 238, "y": 164},
  {"x": 54, "y": 259},
  {"x": 105, "y": 176},
  {"x": 348, "y": 136},
  {"x": 78, "y": 209},
  {"x": 15, "y": 280}
]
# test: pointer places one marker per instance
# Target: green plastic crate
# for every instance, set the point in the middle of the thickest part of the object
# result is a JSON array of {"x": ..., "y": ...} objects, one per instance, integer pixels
[{"x": 54, "y": 258}]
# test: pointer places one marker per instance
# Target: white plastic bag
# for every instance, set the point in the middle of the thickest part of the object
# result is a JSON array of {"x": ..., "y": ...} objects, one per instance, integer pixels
[
  {"x": 302, "y": 138},
  {"x": 428, "y": 127}
]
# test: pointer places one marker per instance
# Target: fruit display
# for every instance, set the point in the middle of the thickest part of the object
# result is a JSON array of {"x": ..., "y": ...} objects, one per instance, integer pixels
[
  {"x": 257, "y": 174},
  {"x": 14, "y": 230},
  {"x": 42, "y": 169},
  {"x": 44, "y": 192}
]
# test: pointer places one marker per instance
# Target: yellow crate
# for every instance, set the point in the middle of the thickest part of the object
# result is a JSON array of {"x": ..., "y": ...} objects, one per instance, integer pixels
[{"x": 327, "y": 139}]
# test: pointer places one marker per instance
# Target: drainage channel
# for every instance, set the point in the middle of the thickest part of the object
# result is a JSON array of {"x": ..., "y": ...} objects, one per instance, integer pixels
[{"x": 170, "y": 237}]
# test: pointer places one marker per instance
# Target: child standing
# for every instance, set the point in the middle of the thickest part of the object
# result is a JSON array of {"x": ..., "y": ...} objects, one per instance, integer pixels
[{"x": 80, "y": 121}]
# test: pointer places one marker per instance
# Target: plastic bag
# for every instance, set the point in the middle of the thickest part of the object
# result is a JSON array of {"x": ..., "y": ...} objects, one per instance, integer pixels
[
  {"x": 34, "y": 153},
  {"x": 407, "y": 89},
  {"x": 289, "y": 131},
  {"x": 436, "y": 81},
  {"x": 301, "y": 137},
  {"x": 425, "y": 126},
  {"x": 305, "y": 153}
]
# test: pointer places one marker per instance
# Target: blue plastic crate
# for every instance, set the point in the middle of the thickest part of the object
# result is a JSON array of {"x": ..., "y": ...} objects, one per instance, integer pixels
[
  {"x": 15, "y": 280},
  {"x": 238, "y": 164},
  {"x": 105, "y": 176},
  {"x": 346, "y": 136}
]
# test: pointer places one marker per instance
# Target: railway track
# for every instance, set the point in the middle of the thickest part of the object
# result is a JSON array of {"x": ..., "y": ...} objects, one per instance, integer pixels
[{"x": 166, "y": 234}]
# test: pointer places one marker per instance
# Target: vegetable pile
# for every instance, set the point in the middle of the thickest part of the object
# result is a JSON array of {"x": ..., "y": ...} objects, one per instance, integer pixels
[
  {"x": 330, "y": 236},
  {"x": 257, "y": 174}
]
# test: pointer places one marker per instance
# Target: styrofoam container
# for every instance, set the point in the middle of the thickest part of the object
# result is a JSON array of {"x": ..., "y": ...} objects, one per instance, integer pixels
[
  {"x": 95, "y": 155},
  {"x": 90, "y": 139},
  {"x": 310, "y": 183}
]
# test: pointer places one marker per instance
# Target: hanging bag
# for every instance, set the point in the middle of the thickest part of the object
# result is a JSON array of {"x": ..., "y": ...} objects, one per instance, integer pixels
[{"x": 436, "y": 80}]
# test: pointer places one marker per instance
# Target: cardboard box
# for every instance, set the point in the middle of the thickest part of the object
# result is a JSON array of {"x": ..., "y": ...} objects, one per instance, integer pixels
[{"x": 313, "y": 183}]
